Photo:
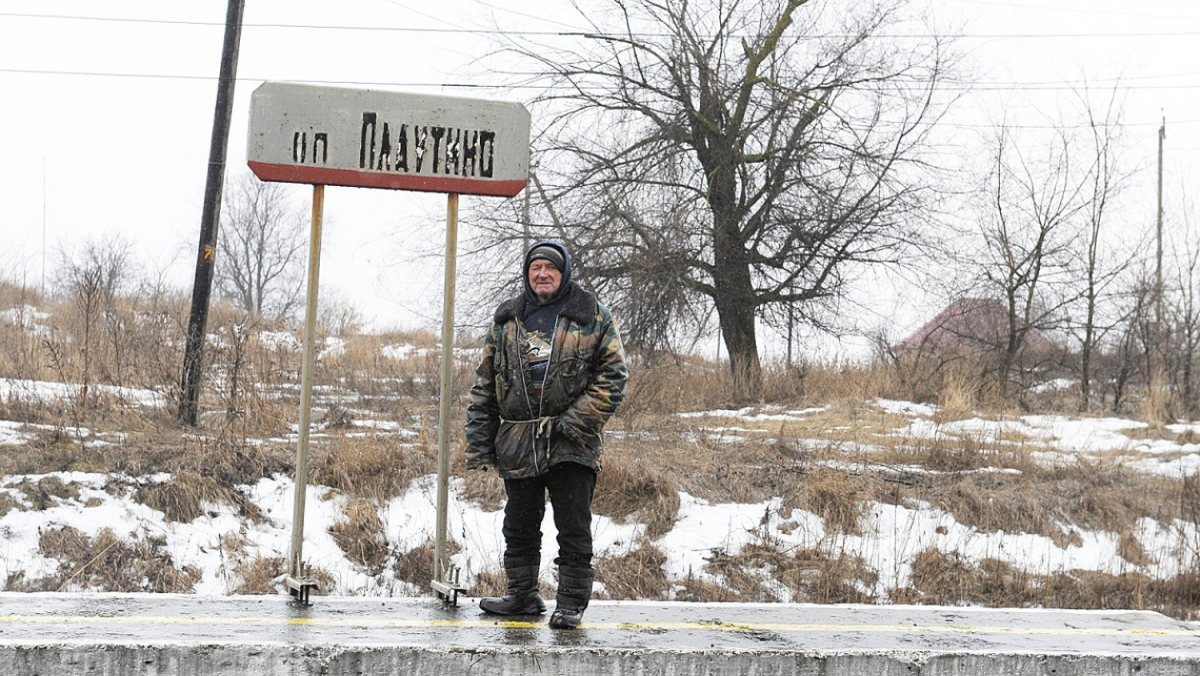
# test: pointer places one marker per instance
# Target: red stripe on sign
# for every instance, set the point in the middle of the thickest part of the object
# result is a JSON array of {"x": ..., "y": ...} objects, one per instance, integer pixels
[{"x": 291, "y": 173}]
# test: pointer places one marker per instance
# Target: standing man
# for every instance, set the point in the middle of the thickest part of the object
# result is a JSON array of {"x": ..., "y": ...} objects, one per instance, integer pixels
[{"x": 553, "y": 372}]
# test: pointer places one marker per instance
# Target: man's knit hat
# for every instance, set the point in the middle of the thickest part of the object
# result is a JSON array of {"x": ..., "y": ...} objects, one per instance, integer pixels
[
  {"x": 557, "y": 254},
  {"x": 547, "y": 252}
]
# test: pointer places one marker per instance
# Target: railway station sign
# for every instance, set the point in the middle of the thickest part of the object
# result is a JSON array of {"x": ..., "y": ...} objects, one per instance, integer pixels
[{"x": 378, "y": 139}]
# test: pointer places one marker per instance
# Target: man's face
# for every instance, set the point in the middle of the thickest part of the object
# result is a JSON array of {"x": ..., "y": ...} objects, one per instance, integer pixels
[{"x": 544, "y": 279}]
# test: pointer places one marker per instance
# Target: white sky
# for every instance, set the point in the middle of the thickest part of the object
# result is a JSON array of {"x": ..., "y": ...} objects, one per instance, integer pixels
[{"x": 106, "y": 123}]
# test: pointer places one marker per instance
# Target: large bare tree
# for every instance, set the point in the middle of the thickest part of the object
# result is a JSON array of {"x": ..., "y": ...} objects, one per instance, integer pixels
[
  {"x": 734, "y": 155},
  {"x": 261, "y": 246}
]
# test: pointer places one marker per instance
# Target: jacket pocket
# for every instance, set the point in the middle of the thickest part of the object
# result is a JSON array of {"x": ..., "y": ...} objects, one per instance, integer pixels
[
  {"x": 503, "y": 384},
  {"x": 520, "y": 449},
  {"x": 573, "y": 373}
]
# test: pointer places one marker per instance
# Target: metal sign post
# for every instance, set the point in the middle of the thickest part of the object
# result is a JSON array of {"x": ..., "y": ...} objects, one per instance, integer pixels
[
  {"x": 298, "y": 585},
  {"x": 374, "y": 139},
  {"x": 445, "y": 580}
]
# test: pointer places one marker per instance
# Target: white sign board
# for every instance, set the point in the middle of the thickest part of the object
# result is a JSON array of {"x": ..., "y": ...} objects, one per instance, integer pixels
[{"x": 375, "y": 139}]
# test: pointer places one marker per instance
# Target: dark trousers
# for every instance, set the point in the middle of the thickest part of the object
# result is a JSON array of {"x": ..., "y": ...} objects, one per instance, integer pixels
[{"x": 570, "y": 486}]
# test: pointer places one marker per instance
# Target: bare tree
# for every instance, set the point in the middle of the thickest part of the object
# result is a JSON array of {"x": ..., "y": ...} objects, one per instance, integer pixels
[
  {"x": 1028, "y": 230},
  {"x": 262, "y": 239},
  {"x": 735, "y": 155},
  {"x": 1101, "y": 257},
  {"x": 1179, "y": 341},
  {"x": 92, "y": 276}
]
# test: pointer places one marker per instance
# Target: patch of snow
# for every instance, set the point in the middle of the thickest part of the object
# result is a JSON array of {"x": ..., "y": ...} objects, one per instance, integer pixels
[
  {"x": 26, "y": 317},
  {"x": 334, "y": 347},
  {"x": 13, "y": 433},
  {"x": 1084, "y": 434},
  {"x": 45, "y": 391},
  {"x": 719, "y": 413},
  {"x": 397, "y": 352},
  {"x": 1056, "y": 385},
  {"x": 279, "y": 340},
  {"x": 906, "y": 408}
]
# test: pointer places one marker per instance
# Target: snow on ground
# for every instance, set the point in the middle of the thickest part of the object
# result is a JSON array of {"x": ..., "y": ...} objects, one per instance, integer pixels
[
  {"x": 892, "y": 534},
  {"x": 31, "y": 391},
  {"x": 26, "y": 317}
]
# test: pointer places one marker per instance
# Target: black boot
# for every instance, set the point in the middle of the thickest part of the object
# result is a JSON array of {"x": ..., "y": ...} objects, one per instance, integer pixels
[
  {"x": 574, "y": 592},
  {"x": 522, "y": 597}
]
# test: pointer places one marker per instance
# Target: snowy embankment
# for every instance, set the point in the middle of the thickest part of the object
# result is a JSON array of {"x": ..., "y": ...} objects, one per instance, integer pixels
[{"x": 891, "y": 535}]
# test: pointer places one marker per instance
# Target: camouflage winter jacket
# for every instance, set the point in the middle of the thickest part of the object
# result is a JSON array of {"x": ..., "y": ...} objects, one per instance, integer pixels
[{"x": 585, "y": 382}]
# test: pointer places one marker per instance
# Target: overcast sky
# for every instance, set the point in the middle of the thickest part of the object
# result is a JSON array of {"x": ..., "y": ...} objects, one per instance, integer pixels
[{"x": 107, "y": 110}]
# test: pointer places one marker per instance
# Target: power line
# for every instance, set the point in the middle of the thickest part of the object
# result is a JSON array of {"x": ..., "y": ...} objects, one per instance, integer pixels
[
  {"x": 478, "y": 86},
  {"x": 593, "y": 34},
  {"x": 398, "y": 29},
  {"x": 985, "y": 87},
  {"x": 167, "y": 76}
]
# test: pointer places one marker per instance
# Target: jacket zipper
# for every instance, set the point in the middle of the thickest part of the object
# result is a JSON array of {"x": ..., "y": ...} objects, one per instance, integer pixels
[
  {"x": 545, "y": 379},
  {"x": 549, "y": 361},
  {"x": 522, "y": 367}
]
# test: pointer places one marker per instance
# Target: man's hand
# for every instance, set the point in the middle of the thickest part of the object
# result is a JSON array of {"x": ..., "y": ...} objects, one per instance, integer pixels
[{"x": 481, "y": 462}]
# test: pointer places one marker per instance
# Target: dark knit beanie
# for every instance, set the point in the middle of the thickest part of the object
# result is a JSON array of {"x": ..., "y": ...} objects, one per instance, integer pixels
[{"x": 548, "y": 253}]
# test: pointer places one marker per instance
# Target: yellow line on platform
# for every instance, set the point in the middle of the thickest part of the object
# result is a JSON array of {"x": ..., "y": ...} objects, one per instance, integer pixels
[{"x": 733, "y": 627}]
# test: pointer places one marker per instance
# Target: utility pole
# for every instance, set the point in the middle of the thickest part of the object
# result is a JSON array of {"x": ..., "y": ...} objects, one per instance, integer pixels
[
  {"x": 791, "y": 327},
  {"x": 1158, "y": 270},
  {"x": 525, "y": 217},
  {"x": 558, "y": 226},
  {"x": 43, "y": 226},
  {"x": 210, "y": 217}
]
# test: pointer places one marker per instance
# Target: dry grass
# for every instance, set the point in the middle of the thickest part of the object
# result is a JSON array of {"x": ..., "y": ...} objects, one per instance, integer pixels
[
  {"x": 942, "y": 578},
  {"x": 957, "y": 399},
  {"x": 826, "y": 382},
  {"x": 46, "y": 492},
  {"x": 361, "y": 535},
  {"x": 691, "y": 384},
  {"x": 489, "y": 583},
  {"x": 259, "y": 575},
  {"x": 636, "y": 574},
  {"x": 377, "y": 467},
  {"x": 207, "y": 473},
  {"x": 483, "y": 488},
  {"x": 1155, "y": 408},
  {"x": 745, "y": 574},
  {"x": 837, "y": 496},
  {"x": 835, "y": 462},
  {"x": 696, "y": 589},
  {"x": 415, "y": 565},
  {"x": 183, "y": 497},
  {"x": 631, "y": 491},
  {"x": 106, "y": 563},
  {"x": 810, "y": 575}
]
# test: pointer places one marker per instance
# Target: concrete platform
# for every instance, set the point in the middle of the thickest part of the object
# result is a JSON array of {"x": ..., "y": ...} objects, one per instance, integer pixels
[{"x": 130, "y": 634}]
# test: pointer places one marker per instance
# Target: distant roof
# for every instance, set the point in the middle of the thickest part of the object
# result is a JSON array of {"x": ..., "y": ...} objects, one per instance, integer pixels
[{"x": 972, "y": 324}]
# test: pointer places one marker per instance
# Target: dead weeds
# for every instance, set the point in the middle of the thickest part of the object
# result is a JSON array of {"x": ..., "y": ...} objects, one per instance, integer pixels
[
  {"x": 361, "y": 535},
  {"x": 376, "y": 467},
  {"x": 630, "y": 491},
  {"x": 46, "y": 492},
  {"x": 259, "y": 575},
  {"x": 415, "y": 565},
  {"x": 949, "y": 579},
  {"x": 636, "y": 574},
  {"x": 107, "y": 562},
  {"x": 818, "y": 440},
  {"x": 839, "y": 497}
]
